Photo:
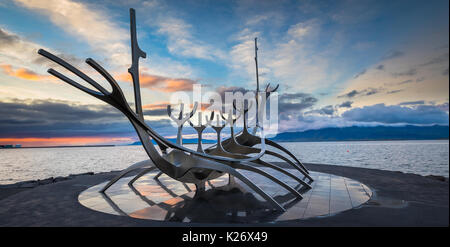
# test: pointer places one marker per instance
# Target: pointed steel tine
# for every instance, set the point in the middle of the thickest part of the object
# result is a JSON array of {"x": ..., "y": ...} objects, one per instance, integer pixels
[
  {"x": 194, "y": 109},
  {"x": 72, "y": 69},
  {"x": 250, "y": 104},
  {"x": 180, "y": 116},
  {"x": 275, "y": 89},
  {"x": 75, "y": 84},
  {"x": 234, "y": 105},
  {"x": 210, "y": 119},
  {"x": 272, "y": 90},
  {"x": 218, "y": 121},
  {"x": 223, "y": 117},
  {"x": 182, "y": 120},
  {"x": 199, "y": 120},
  {"x": 267, "y": 87},
  {"x": 105, "y": 74},
  {"x": 238, "y": 109},
  {"x": 169, "y": 113},
  {"x": 169, "y": 110},
  {"x": 190, "y": 123}
]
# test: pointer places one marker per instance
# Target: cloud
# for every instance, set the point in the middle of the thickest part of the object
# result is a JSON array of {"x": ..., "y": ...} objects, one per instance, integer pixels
[
  {"x": 420, "y": 79},
  {"x": 51, "y": 118},
  {"x": 393, "y": 54},
  {"x": 86, "y": 22},
  {"x": 437, "y": 60},
  {"x": 364, "y": 92},
  {"x": 160, "y": 83},
  {"x": 300, "y": 30},
  {"x": 409, "y": 72},
  {"x": 346, "y": 104},
  {"x": 231, "y": 89},
  {"x": 61, "y": 141},
  {"x": 290, "y": 56},
  {"x": 181, "y": 35},
  {"x": 292, "y": 104},
  {"x": 443, "y": 107},
  {"x": 360, "y": 74},
  {"x": 405, "y": 82},
  {"x": 16, "y": 50},
  {"x": 350, "y": 94},
  {"x": 372, "y": 91},
  {"x": 53, "y": 121},
  {"x": 23, "y": 73},
  {"x": 182, "y": 42},
  {"x": 395, "y": 91},
  {"x": 374, "y": 115},
  {"x": 326, "y": 110},
  {"x": 156, "y": 109},
  {"x": 380, "y": 67},
  {"x": 7, "y": 39},
  {"x": 380, "y": 113},
  {"x": 418, "y": 102}
]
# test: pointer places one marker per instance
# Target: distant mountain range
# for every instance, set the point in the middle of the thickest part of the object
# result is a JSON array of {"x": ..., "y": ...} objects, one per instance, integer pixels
[{"x": 408, "y": 132}]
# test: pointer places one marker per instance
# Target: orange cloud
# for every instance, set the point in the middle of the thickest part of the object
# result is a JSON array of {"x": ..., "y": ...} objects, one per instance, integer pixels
[
  {"x": 202, "y": 106},
  {"x": 164, "y": 104},
  {"x": 23, "y": 73},
  {"x": 156, "y": 106},
  {"x": 63, "y": 141},
  {"x": 160, "y": 83}
]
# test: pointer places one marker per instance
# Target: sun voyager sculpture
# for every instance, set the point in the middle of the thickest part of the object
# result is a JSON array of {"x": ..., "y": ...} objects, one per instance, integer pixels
[{"x": 244, "y": 150}]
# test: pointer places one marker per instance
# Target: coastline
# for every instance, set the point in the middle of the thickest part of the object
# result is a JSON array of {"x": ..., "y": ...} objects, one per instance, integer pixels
[
  {"x": 400, "y": 199},
  {"x": 207, "y": 141}
]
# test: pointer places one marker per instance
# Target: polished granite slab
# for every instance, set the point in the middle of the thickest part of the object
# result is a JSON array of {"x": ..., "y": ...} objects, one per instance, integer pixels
[{"x": 165, "y": 199}]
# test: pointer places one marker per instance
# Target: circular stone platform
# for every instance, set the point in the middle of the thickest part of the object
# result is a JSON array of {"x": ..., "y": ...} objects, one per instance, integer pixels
[{"x": 165, "y": 199}]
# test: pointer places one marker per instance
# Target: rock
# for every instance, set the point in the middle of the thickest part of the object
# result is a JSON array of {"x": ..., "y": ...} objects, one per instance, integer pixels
[
  {"x": 45, "y": 181},
  {"x": 81, "y": 174},
  {"x": 435, "y": 177},
  {"x": 59, "y": 179}
]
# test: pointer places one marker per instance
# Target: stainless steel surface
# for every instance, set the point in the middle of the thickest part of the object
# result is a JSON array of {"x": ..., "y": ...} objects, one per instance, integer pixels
[{"x": 166, "y": 199}]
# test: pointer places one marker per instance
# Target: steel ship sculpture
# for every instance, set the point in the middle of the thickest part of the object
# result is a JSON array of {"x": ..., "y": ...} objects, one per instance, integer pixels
[{"x": 239, "y": 151}]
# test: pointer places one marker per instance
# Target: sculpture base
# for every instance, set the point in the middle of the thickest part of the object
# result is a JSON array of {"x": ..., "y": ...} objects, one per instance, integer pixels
[{"x": 165, "y": 199}]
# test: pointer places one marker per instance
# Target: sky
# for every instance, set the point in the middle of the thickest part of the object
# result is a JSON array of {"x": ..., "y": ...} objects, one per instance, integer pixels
[{"x": 338, "y": 63}]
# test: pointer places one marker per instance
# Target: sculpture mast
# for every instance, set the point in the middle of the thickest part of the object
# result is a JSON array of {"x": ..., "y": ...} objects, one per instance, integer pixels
[
  {"x": 136, "y": 53},
  {"x": 257, "y": 81}
]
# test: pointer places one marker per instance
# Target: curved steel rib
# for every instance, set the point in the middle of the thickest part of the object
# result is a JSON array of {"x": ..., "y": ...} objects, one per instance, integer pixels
[
  {"x": 247, "y": 166},
  {"x": 249, "y": 140},
  {"x": 148, "y": 164},
  {"x": 239, "y": 150}
]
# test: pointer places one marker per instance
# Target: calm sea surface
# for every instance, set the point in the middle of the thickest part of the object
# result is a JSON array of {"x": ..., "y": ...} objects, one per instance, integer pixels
[{"x": 420, "y": 157}]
